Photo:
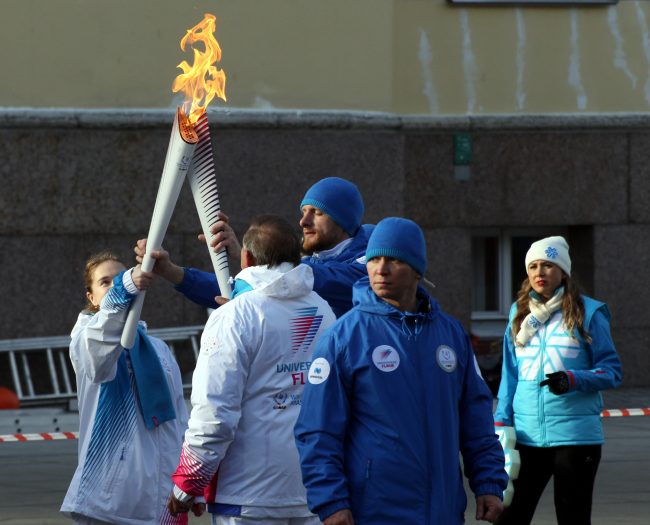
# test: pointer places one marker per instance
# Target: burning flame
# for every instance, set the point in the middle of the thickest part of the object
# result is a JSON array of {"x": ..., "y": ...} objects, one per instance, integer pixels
[{"x": 202, "y": 81}]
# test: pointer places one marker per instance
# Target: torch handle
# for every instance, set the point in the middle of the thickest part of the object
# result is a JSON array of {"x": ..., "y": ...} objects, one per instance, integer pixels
[
  {"x": 135, "y": 311},
  {"x": 148, "y": 261},
  {"x": 132, "y": 318}
]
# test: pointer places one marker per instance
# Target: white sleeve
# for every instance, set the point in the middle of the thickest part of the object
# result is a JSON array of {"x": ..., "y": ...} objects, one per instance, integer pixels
[
  {"x": 95, "y": 346},
  {"x": 227, "y": 349}
]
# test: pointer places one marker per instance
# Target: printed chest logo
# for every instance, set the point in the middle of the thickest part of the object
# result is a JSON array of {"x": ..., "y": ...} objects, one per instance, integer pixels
[
  {"x": 385, "y": 358},
  {"x": 319, "y": 371},
  {"x": 446, "y": 358}
]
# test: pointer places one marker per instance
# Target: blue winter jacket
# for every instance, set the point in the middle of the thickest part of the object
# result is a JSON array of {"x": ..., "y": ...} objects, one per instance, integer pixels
[
  {"x": 392, "y": 398},
  {"x": 541, "y": 418},
  {"x": 333, "y": 276}
]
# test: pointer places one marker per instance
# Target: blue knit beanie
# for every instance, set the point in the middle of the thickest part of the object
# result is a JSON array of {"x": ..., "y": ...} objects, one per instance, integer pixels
[
  {"x": 340, "y": 199},
  {"x": 400, "y": 239}
]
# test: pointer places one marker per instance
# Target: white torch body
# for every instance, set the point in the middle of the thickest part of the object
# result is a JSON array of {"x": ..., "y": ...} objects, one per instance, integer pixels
[
  {"x": 177, "y": 162},
  {"x": 203, "y": 183}
]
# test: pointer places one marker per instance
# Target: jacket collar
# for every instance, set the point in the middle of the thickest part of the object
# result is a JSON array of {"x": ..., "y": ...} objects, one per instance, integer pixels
[
  {"x": 282, "y": 281},
  {"x": 365, "y": 299}
]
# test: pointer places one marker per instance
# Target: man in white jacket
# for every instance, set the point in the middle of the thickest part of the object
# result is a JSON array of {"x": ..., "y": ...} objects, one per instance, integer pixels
[{"x": 248, "y": 384}]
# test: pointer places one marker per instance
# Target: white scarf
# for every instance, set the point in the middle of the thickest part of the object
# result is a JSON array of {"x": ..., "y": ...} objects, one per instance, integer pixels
[{"x": 540, "y": 312}]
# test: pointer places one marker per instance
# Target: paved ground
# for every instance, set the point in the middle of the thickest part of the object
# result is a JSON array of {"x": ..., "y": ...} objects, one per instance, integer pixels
[{"x": 35, "y": 475}]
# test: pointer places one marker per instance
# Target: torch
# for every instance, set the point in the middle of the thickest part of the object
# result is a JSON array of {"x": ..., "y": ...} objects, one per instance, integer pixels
[
  {"x": 179, "y": 156},
  {"x": 199, "y": 91},
  {"x": 203, "y": 182}
]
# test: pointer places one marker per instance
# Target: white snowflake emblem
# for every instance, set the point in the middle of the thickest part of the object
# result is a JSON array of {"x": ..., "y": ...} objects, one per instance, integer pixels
[{"x": 534, "y": 322}]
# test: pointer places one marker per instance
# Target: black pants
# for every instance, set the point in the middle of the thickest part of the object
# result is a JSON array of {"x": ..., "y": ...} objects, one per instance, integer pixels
[{"x": 573, "y": 469}]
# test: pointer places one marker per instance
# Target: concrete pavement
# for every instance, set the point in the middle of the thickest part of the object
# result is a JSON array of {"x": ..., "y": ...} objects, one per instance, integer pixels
[{"x": 35, "y": 475}]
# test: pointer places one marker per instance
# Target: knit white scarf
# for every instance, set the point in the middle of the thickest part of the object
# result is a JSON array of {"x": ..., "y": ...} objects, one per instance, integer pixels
[{"x": 540, "y": 312}]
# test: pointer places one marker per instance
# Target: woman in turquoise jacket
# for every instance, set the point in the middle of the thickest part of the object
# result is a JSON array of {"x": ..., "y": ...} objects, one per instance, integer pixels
[{"x": 558, "y": 355}]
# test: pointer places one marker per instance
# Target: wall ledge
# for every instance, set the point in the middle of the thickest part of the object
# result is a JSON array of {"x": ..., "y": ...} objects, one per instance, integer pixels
[{"x": 122, "y": 118}]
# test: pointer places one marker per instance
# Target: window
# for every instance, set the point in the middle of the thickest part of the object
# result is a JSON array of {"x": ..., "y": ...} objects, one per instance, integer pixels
[{"x": 498, "y": 270}]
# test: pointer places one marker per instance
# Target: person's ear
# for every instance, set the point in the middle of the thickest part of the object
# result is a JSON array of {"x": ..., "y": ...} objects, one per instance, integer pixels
[
  {"x": 89, "y": 296},
  {"x": 247, "y": 259}
]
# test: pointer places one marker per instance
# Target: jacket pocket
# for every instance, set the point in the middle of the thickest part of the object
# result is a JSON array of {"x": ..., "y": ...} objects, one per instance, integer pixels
[
  {"x": 360, "y": 493},
  {"x": 360, "y": 477}
]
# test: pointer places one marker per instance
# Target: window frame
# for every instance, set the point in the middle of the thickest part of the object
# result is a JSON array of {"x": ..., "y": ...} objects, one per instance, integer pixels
[
  {"x": 491, "y": 323},
  {"x": 504, "y": 273}
]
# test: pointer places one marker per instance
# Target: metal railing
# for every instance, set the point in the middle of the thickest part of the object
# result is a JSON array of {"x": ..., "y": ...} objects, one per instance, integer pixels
[{"x": 41, "y": 371}]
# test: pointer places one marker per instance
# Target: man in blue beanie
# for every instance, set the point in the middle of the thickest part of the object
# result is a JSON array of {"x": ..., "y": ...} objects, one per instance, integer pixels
[
  {"x": 333, "y": 242},
  {"x": 393, "y": 396}
]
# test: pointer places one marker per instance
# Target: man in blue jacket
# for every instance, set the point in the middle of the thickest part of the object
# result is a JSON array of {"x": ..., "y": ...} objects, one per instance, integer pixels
[
  {"x": 393, "y": 396},
  {"x": 333, "y": 241}
]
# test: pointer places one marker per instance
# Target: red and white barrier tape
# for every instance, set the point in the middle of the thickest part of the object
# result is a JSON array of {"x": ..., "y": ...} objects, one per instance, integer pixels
[
  {"x": 625, "y": 412},
  {"x": 52, "y": 436},
  {"x": 43, "y": 436}
]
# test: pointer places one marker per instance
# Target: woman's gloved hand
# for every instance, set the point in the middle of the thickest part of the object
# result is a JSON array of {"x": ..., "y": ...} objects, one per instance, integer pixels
[{"x": 558, "y": 383}]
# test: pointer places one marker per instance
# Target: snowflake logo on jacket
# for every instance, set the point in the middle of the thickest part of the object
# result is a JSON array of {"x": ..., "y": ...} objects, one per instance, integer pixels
[{"x": 534, "y": 322}]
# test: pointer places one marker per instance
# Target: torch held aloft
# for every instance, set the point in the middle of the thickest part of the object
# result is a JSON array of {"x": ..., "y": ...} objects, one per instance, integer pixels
[
  {"x": 177, "y": 162},
  {"x": 203, "y": 182}
]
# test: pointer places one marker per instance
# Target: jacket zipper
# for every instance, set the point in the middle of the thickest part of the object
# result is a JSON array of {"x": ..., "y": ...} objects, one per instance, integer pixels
[{"x": 540, "y": 396}]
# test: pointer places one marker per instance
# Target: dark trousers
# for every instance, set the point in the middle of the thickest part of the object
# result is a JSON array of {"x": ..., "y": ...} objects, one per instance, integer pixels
[{"x": 573, "y": 469}]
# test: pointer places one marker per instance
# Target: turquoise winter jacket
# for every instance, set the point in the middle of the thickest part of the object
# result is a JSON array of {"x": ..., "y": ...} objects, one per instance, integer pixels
[{"x": 541, "y": 418}]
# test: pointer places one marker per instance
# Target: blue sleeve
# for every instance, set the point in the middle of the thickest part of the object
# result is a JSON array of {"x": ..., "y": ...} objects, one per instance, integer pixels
[
  {"x": 483, "y": 458},
  {"x": 333, "y": 281},
  {"x": 199, "y": 287},
  {"x": 605, "y": 370},
  {"x": 118, "y": 298},
  {"x": 320, "y": 432},
  {"x": 503, "y": 416}
]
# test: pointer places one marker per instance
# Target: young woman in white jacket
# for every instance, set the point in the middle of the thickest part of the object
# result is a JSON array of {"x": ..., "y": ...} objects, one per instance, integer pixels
[{"x": 132, "y": 414}]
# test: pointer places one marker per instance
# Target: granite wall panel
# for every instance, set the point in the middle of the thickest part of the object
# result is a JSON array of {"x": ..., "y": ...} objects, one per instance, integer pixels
[
  {"x": 621, "y": 257},
  {"x": 639, "y": 178},
  {"x": 525, "y": 179},
  {"x": 632, "y": 345},
  {"x": 449, "y": 269},
  {"x": 74, "y": 181}
]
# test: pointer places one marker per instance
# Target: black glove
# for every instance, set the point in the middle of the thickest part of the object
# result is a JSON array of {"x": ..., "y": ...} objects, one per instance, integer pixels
[{"x": 558, "y": 382}]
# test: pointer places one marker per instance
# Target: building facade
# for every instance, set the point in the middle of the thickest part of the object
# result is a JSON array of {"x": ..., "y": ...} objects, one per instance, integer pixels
[{"x": 478, "y": 122}]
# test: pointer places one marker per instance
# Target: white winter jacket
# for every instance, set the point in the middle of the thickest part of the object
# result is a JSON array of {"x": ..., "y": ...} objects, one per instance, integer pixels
[
  {"x": 130, "y": 483},
  {"x": 247, "y": 389}
]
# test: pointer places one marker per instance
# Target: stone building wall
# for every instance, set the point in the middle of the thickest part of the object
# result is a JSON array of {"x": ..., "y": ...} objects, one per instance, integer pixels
[{"x": 74, "y": 182}]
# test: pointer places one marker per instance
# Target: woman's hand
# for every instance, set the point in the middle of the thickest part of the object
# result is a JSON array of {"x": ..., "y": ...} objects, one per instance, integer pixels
[
  {"x": 163, "y": 264},
  {"x": 141, "y": 279}
]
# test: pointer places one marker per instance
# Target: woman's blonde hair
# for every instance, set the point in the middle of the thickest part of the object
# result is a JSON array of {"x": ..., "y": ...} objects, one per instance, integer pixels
[
  {"x": 573, "y": 308},
  {"x": 91, "y": 265}
]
